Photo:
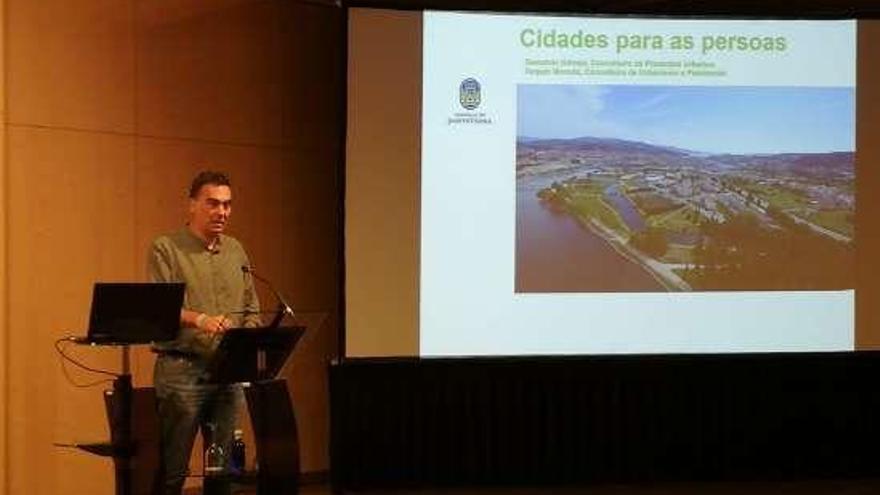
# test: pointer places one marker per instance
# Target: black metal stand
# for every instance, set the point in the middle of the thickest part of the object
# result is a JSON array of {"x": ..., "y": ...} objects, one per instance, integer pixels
[
  {"x": 124, "y": 314},
  {"x": 131, "y": 413},
  {"x": 119, "y": 409},
  {"x": 122, "y": 446},
  {"x": 120, "y": 432}
]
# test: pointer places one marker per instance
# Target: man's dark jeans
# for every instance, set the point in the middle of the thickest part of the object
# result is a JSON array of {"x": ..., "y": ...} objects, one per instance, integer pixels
[{"x": 187, "y": 403}]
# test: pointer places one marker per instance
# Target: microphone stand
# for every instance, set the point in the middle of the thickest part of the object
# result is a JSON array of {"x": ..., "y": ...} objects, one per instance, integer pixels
[{"x": 283, "y": 308}]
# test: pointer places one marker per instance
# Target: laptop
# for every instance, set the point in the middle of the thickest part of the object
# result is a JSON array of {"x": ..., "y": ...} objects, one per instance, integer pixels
[{"x": 134, "y": 313}]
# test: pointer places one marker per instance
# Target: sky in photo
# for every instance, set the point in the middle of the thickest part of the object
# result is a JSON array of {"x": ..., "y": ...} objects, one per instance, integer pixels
[{"x": 711, "y": 119}]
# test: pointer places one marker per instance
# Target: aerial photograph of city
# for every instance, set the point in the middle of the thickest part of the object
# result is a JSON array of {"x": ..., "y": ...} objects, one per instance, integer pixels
[{"x": 630, "y": 188}]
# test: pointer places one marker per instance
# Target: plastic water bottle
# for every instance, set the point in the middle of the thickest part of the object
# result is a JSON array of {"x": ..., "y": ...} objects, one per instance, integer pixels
[
  {"x": 215, "y": 457},
  {"x": 238, "y": 452}
]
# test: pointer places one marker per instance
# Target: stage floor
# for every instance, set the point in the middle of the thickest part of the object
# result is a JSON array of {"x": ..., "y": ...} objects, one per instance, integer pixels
[{"x": 814, "y": 487}]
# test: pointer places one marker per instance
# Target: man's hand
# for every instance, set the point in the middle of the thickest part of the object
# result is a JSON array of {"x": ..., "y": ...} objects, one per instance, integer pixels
[{"x": 212, "y": 324}]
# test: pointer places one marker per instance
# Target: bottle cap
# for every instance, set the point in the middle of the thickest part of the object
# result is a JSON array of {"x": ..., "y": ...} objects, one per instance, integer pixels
[{"x": 238, "y": 434}]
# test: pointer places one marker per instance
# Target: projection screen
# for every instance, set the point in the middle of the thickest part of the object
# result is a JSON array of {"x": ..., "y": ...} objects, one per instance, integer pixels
[{"x": 541, "y": 185}]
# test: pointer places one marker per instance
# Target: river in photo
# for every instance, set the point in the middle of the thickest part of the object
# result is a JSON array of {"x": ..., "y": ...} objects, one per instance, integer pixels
[
  {"x": 625, "y": 208},
  {"x": 554, "y": 253}
]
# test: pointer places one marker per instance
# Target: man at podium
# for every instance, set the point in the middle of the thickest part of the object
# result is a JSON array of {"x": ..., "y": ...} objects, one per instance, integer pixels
[{"x": 219, "y": 296}]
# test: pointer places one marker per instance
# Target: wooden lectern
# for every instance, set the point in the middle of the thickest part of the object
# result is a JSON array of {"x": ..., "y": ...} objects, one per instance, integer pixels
[{"x": 253, "y": 357}]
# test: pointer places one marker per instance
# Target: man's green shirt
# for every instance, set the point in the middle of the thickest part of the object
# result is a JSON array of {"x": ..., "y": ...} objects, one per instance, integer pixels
[{"x": 215, "y": 285}]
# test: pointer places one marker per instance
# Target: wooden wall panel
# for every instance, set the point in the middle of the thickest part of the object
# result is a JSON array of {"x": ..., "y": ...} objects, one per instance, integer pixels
[
  {"x": 70, "y": 224},
  {"x": 71, "y": 64},
  {"x": 312, "y": 72},
  {"x": 210, "y": 70},
  {"x": 311, "y": 225},
  {"x": 4, "y": 262},
  {"x": 114, "y": 105}
]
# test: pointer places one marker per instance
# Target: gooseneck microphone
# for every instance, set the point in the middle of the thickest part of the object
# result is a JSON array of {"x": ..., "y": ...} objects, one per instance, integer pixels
[{"x": 283, "y": 307}]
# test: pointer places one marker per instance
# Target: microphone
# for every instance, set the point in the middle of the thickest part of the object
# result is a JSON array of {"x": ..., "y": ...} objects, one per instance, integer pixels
[{"x": 283, "y": 307}]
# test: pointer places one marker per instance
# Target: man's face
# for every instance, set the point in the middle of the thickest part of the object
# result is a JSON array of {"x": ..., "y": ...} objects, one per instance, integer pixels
[{"x": 209, "y": 210}]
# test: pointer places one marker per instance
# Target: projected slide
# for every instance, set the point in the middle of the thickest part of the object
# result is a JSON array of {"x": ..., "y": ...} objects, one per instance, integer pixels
[
  {"x": 679, "y": 188},
  {"x": 636, "y": 185}
]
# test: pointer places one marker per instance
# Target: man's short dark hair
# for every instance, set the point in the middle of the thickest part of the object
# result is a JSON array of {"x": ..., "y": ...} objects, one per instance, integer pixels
[{"x": 207, "y": 177}]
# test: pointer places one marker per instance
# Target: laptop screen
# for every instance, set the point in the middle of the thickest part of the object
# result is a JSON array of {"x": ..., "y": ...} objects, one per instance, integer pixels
[{"x": 135, "y": 313}]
